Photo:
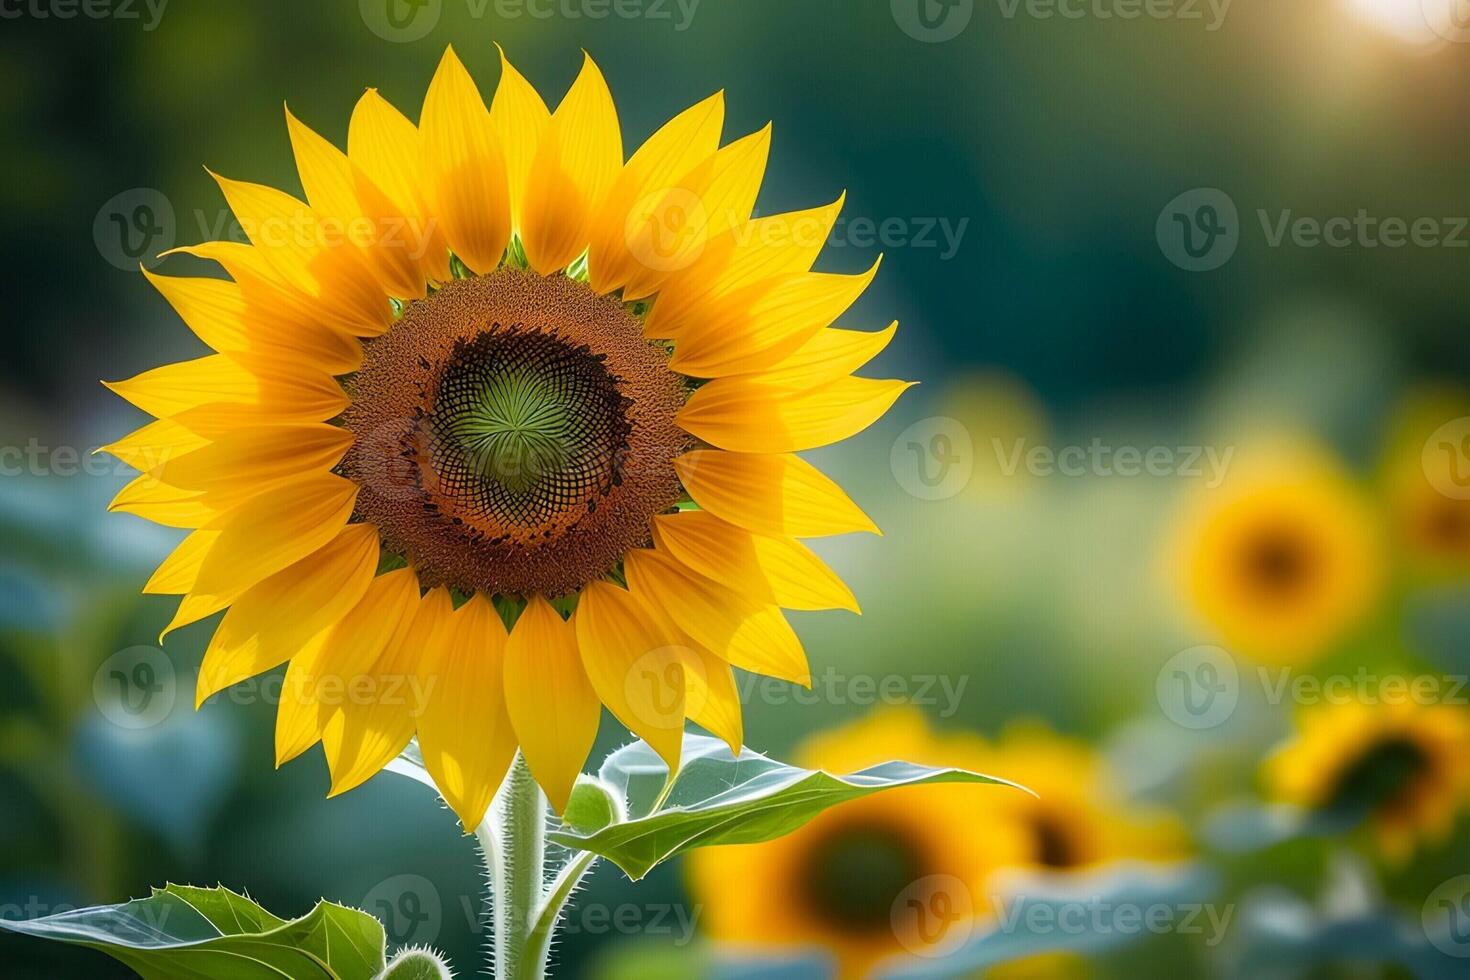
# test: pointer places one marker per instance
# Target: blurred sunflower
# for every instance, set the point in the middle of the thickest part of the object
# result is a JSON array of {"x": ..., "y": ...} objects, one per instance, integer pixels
[
  {"x": 850, "y": 881},
  {"x": 846, "y": 881},
  {"x": 1404, "y": 767},
  {"x": 1430, "y": 528},
  {"x": 1075, "y": 821},
  {"x": 1282, "y": 558},
  {"x": 561, "y": 392}
]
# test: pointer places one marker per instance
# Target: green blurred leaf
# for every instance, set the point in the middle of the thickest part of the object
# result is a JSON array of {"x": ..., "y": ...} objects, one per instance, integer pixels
[
  {"x": 720, "y": 799},
  {"x": 183, "y": 933}
]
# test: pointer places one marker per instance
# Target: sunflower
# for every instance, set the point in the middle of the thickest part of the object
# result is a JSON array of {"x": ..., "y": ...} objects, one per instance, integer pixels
[
  {"x": 1075, "y": 821},
  {"x": 851, "y": 879},
  {"x": 1282, "y": 559},
  {"x": 846, "y": 881},
  {"x": 1402, "y": 766},
  {"x": 1430, "y": 526},
  {"x": 501, "y": 428}
]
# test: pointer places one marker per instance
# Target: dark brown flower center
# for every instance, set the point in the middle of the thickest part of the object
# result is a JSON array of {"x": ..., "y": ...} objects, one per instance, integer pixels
[
  {"x": 1278, "y": 563},
  {"x": 851, "y": 878},
  {"x": 515, "y": 434}
]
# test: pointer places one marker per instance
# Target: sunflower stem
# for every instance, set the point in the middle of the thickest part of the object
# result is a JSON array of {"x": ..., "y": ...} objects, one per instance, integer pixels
[{"x": 514, "y": 838}]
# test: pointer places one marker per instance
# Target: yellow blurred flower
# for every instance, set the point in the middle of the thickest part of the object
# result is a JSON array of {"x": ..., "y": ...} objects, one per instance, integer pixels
[
  {"x": 858, "y": 880},
  {"x": 1283, "y": 558},
  {"x": 1405, "y": 766},
  {"x": 1430, "y": 527},
  {"x": 1076, "y": 820}
]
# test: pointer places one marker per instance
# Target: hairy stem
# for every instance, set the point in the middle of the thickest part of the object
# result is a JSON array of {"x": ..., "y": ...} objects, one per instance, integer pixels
[{"x": 514, "y": 837}]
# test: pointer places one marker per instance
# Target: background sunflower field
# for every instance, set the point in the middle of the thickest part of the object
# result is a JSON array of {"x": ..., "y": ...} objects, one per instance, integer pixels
[{"x": 1176, "y": 525}]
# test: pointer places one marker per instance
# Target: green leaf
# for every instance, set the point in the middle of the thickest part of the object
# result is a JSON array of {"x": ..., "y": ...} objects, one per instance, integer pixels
[
  {"x": 720, "y": 799},
  {"x": 185, "y": 933}
]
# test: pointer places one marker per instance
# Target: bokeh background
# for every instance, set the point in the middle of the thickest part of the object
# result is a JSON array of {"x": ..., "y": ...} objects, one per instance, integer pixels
[{"x": 1079, "y": 220}]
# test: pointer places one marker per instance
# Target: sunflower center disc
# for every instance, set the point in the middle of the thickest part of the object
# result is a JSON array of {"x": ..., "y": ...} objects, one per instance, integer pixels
[{"x": 515, "y": 434}]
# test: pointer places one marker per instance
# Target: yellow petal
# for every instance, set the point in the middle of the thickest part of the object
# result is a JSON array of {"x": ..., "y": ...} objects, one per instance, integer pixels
[
  {"x": 260, "y": 315},
  {"x": 308, "y": 253},
  {"x": 830, "y": 355},
  {"x": 577, "y": 159},
  {"x": 717, "y": 196},
  {"x": 654, "y": 170},
  {"x": 260, "y": 457},
  {"x": 177, "y": 573},
  {"x": 551, "y": 703},
  {"x": 154, "y": 444},
  {"x": 253, "y": 390},
  {"x": 777, "y": 570},
  {"x": 710, "y": 697},
  {"x": 746, "y": 632},
  {"x": 749, "y": 417},
  {"x": 385, "y": 146},
  {"x": 756, "y": 328},
  {"x": 764, "y": 248},
  {"x": 353, "y": 207},
  {"x": 213, "y": 308},
  {"x": 273, "y": 620},
  {"x": 153, "y": 500},
  {"x": 330, "y": 670},
  {"x": 276, "y": 529},
  {"x": 635, "y": 666},
  {"x": 714, "y": 699},
  {"x": 363, "y": 738},
  {"x": 778, "y": 495},
  {"x": 298, "y": 720},
  {"x": 464, "y": 167},
  {"x": 466, "y": 738},
  {"x": 518, "y": 117}
]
